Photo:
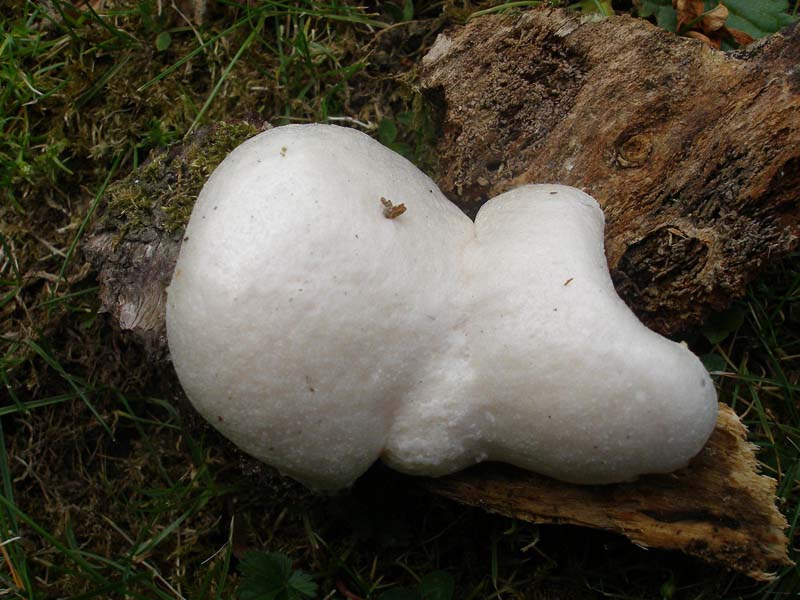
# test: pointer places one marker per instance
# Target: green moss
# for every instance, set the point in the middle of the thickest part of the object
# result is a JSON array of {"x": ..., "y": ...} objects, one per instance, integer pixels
[
  {"x": 162, "y": 192},
  {"x": 131, "y": 201}
]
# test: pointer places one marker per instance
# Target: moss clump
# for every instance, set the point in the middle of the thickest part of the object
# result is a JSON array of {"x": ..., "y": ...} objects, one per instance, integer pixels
[
  {"x": 162, "y": 192},
  {"x": 130, "y": 202}
]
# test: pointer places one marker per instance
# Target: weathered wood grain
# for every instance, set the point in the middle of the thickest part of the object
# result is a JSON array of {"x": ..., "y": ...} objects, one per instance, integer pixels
[{"x": 694, "y": 154}]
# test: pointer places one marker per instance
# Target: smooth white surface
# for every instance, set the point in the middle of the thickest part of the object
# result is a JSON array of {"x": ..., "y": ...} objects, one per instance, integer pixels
[{"x": 319, "y": 335}]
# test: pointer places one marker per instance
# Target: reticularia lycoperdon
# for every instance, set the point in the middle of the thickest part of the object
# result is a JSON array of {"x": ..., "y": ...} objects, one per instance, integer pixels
[{"x": 319, "y": 335}]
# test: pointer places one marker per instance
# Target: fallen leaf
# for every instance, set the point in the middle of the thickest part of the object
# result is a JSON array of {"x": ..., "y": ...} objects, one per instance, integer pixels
[
  {"x": 740, "y": 37},
  {"x": 706, "y": 26},
  {"x": 688, "y": 12},
  {"x": 715, "y": 43},
  {"x": 746, "y": 20},
  {"x": 714, "y": 19}
]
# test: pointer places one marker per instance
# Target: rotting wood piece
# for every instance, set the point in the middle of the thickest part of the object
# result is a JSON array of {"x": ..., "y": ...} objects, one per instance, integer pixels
[
  {"x": 718, "y": 508},
  {"x": 694, "y": 154}
]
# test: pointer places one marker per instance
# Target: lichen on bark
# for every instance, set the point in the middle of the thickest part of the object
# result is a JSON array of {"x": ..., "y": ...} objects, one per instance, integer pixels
[
  {"x": 162, "y": 192},
  {"x": 135, "y": 242}
]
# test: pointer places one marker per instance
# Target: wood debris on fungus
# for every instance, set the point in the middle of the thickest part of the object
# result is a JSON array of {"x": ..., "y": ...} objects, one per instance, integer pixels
[{"x": 390, "y": 210}]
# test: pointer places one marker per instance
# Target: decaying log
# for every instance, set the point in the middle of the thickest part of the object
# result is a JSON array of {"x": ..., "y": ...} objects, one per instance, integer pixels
[
  {"x": 694, "y": 154},
  {"x": 718, "y": 508}
]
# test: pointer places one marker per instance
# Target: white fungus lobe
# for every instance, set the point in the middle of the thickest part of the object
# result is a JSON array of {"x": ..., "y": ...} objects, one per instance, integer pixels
[{"x": 319, "y": 335}]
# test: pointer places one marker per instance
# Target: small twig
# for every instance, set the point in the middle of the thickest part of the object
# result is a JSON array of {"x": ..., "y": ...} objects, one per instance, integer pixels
[
  {"x": 188, "y": 21},
  {"x": 14, "y": 575},
  {"x": 368, "y": 126},
  {"x": 217, "y": 551},
  {"x": 49, "y": 246},
  {"x": 155, "y": 572}
]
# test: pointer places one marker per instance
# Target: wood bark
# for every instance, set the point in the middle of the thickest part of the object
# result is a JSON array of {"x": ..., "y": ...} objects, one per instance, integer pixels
[
  {"x": 694, "y": 156},
  {"x": 718, "y": 508}
]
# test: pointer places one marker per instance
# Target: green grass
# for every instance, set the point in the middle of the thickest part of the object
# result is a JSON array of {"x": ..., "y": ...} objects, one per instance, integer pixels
[
  {"x": 110, "y": 489},
  {"x": 761, "y": 381}
]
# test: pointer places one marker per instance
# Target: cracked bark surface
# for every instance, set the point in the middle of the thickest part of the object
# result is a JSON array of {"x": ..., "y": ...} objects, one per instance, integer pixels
[
  {"x": 693, "y": 154},
  {"x": 695, "y": 158}
]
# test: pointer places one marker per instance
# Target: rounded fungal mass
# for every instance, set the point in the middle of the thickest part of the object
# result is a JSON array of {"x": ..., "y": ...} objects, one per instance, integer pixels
[{"x": 319, "y": 335}]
